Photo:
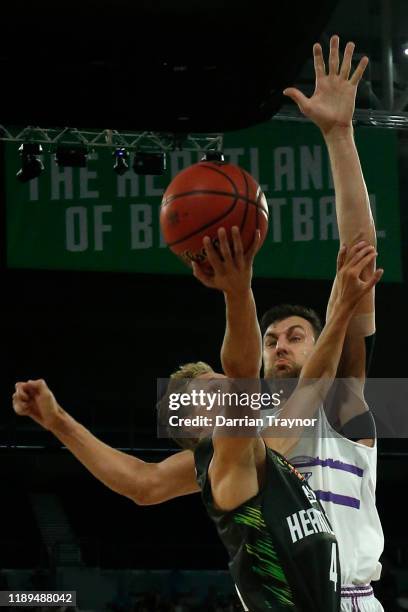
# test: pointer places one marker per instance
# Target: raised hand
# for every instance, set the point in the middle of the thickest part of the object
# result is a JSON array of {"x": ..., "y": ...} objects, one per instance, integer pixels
[
  {"x": 34, "y": 399},
  {"x": 333, "y": 102},
  {"x": 232, "y": 271},
  {"x": 351, "y": 282}
]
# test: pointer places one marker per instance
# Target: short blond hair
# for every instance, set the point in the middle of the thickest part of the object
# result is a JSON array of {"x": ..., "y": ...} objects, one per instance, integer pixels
[
  {"x": 183, "y": 373},
  {"x": 191, "y": 370}
]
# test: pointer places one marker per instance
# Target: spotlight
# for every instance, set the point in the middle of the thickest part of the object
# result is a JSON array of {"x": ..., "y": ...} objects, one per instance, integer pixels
[
  {"x": 74, "y": 156},
  {"x": 31, "y": 166},
  {"x": 121, "y": 157},
  {"x": 213, "y": 156},
  {"x": 149, "y": 163},
  {"x": 405, "y": 49}
]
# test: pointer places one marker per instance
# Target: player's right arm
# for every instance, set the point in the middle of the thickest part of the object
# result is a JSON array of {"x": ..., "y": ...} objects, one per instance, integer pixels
[
  {"x": 233, "y": 471},
  {"x": 142, "y": 482},
  {"x": 241, "y": 352}
]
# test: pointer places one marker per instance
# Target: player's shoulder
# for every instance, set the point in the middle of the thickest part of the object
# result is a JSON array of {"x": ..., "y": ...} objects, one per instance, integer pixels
[{"x": 359, "y": 426}]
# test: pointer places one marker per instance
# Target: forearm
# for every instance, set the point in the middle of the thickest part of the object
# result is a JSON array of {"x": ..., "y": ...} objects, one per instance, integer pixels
[
  {"x": 120, "y": 472},
  {"x": 354, "y": 218},
  {"x": 324, "y": 360},
  {"x": 241, "y": 352}
]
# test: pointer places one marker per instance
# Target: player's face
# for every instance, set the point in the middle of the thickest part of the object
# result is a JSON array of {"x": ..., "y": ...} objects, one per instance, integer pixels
[{"x": 286, "y": 347}]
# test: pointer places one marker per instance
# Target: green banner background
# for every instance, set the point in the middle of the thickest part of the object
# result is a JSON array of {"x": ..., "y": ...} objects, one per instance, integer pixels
[{"x": 90, "y": 219}]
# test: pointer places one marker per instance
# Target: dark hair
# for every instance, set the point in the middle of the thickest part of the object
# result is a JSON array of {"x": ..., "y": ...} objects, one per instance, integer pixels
[{"x": 283, "y": 311}]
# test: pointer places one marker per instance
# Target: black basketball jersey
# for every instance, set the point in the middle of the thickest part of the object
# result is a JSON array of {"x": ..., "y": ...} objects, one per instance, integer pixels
[{"x": 283, "y": 553}]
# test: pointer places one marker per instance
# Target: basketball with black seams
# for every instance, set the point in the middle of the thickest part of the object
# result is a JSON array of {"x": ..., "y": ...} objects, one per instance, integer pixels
[{"x": 204, "y": 197}]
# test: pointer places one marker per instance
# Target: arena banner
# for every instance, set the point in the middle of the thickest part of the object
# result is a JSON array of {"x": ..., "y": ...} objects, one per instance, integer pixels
[{"x": 92, "y": 219}]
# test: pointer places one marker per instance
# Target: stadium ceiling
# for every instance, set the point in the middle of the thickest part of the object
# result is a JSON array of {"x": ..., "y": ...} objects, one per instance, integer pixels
[
  {"x": 160, "y": 74},
  {"x": 180, "y": 66}
]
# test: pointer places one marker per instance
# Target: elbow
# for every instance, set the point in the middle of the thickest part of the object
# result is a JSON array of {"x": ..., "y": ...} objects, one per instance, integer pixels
[
  {"x": 235, "y": 369},
  {"x": 147, "y": 490},
  {"x": 145, "y": 495},
  {"x": 141, "y": 498},
  {"x": 142, "y": 501}
]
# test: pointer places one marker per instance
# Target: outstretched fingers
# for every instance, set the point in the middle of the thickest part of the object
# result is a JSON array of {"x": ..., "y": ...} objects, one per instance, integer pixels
[
  {"x": 298, "y": 98},
  {"x": 359, "y": 71},
  {"x": 334, "y": 55},
  {"x": 320, "y": 68},
  {"x": 347, "y": 60}
]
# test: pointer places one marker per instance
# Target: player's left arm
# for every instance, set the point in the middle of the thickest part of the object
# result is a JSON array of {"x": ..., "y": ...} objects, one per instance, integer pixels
[
  {"x": 320, "y": 369},
  {"x": 241, "y": 352},
  {"x": 354, "y": 217},
  {"x": 331, "y": 108}
]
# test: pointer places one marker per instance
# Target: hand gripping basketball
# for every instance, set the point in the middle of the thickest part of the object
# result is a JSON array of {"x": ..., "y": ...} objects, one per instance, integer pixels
[{"x": 231, "y": 269}]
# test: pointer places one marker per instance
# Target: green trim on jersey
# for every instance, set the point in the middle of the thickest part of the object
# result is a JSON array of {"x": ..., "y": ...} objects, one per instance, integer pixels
[{"x": 265, "y": 560}]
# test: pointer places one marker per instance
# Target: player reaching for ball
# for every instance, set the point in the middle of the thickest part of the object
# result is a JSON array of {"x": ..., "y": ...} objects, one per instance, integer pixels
[
  {"x": 340, "y": 465},
  {"x": 283, "y": 552}
]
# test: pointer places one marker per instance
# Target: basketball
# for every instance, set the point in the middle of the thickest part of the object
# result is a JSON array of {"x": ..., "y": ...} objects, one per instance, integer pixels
[{"x": 204, "y": 197}]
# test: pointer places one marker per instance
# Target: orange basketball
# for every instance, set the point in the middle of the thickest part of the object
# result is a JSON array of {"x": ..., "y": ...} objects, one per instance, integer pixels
[{"x": 206, "y": 196}]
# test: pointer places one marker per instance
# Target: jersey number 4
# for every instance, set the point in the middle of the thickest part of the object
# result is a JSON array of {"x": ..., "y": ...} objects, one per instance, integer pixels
[{"x": 333, "y": 566}]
